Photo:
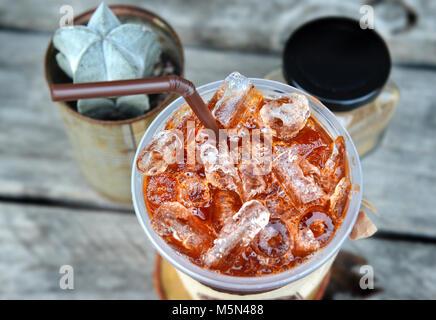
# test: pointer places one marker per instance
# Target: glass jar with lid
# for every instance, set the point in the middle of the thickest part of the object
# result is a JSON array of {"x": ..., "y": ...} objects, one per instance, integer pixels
[{"x": 347, "y": 68}]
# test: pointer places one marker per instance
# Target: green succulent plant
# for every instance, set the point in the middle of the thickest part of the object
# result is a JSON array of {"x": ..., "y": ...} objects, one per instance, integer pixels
[{"x": 106, "y": 50}]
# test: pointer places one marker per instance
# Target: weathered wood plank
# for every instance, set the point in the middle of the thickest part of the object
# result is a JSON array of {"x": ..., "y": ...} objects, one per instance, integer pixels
[
  {"x": 109, "y": 253},
  {"x": 37, "y": 162},
  {"x": 402, "y": 270},
  {"x": 112, "y": 259},
  {"x": 408, "y": 25}
]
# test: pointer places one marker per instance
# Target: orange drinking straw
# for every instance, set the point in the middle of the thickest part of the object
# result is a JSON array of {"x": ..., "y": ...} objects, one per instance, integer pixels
[{"x": 70, "y": 91}]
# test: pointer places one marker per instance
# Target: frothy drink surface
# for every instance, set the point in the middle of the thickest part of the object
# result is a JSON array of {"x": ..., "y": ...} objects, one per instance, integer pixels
[{"x": 261, "y": 198}]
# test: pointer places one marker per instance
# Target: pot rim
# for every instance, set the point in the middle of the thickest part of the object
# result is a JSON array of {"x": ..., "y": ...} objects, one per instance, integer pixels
[{"x": 121, "y": 10}]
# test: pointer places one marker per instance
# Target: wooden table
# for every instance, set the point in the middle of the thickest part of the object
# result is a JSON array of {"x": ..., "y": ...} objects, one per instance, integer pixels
[{"x": 50, "y": 217}]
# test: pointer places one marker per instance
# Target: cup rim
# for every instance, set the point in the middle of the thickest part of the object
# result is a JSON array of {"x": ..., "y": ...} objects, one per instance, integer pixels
[{"x": 266, "y": 282}]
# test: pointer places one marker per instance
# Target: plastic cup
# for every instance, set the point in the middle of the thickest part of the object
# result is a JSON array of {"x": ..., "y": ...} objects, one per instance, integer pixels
[{"x": 250, "y": 285}]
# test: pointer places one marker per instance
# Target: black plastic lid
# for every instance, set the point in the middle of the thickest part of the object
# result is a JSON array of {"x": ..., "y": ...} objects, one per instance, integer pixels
[{"x": 336, "y": 61}]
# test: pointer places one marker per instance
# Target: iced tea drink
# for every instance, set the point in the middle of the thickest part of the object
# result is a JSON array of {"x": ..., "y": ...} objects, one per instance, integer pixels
[{"x": 261, "y": 198}]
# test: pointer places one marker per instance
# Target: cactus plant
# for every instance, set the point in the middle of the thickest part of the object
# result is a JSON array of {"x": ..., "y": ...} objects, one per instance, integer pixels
[{"x": 106, "y": 50}]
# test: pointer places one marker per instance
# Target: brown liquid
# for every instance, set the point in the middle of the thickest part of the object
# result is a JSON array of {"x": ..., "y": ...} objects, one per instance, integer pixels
[{"x": 297, "y": 231}]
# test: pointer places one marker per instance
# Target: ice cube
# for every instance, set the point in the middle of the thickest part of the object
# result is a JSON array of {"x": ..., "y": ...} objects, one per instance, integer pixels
[
  {"x": 286, "y": 118},
  {"x": 254, "y": 170},
  {"x": 279, "y": 205},
  {"x": 161, "y": 188},
  {"x": 253, "y": 181},
  {"x": 166, "y": 148},
  {"x": 178, "y": 226},
  {"x": 305, "y": 243},
  {"x": 219, "y": 166},
  {"x": 205, "y": 145},
  {"x": 301, "y": 189},
  {"x": 261, "y": 150},
  {"x": 223, "y": 174},
  {"x": 273, "y": 240},
  {"x": 314, "y": 229},
  {"x": 192, "y": 190},
  {"x": 227, "y": 203},
  {"x": 252, "y": 104},
  {"x": 218, "y": 95},
  {"x": 238, "y": 232},
  {"x": 230, "y": 109},
  {"x": 334, "y": 168},
  {"x": 239, "y": 142},
  {"x": 320, "y": 223},
  {"x": 309, "y": 169},
  {"x": 339, "y": 198}
]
